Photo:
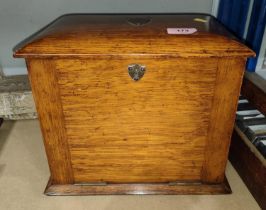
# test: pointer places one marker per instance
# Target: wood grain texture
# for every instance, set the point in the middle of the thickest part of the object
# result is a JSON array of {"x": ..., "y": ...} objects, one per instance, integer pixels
[
  {"x": 228, "y": 82},
  {"x": 254, "y": 89},
  {"x": 47, "y": 98},
  {"x": 189, "y": 188},
  {"x": 252, "y": 170},
  {"x": 99, "y": 125},
  {"x": 153, "y": 130},
  {"x": 94, "y": 33}
]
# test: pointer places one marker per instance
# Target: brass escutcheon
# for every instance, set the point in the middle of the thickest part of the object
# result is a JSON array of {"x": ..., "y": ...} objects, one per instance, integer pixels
[{"x": 136, "y": 71}]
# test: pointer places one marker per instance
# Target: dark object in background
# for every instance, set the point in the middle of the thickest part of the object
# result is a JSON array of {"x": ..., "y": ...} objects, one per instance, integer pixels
[
  {"x": 244, "y": 156},
  {"x": 247, "y": 114},
  {"x": 255, "y": 133},
  {"x": 243, "y": 124},
  {"x": 251, "y": 121},
  {"x": 250, "y": 165},
  {"x": 262, "y": 147},
  {"x": 245, "y": 106}
]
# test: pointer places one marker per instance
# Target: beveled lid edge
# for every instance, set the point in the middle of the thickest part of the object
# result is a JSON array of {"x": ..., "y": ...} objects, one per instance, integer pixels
[{"x": 18, "y": 49}]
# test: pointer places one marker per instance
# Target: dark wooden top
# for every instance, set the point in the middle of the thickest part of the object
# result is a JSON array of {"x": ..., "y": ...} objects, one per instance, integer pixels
[{"x": 87, "y": 35}]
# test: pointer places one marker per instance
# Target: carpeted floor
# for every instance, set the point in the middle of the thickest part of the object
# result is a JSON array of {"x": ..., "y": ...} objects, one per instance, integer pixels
[{"x": 24, "y": 174}]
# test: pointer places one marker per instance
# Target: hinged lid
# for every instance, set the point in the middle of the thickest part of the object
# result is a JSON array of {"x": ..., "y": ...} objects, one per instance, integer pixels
[{"x": 180, "y": 35}]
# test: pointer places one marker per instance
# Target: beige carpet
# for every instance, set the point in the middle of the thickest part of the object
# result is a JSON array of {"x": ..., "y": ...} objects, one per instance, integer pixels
[{"x": 24, "y": 173}]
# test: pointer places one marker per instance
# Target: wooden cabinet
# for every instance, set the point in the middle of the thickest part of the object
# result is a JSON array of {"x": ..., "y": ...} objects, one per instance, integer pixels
[{"x": 128, "y": 105}]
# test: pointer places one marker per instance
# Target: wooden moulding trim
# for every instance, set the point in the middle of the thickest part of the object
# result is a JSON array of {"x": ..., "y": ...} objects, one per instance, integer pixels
[
  {"x": 184, "y": 55},
  {"x": 139, "y": 189}
]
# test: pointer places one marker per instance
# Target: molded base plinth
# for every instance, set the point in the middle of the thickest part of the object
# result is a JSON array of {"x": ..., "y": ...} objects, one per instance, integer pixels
[{"x": 139, "y": 189}]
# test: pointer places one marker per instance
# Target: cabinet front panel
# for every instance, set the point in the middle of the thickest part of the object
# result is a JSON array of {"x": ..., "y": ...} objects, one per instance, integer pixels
[{"x": 126, "y": 131}]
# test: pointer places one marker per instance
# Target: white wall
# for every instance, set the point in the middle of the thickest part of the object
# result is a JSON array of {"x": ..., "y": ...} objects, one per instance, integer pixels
[
  {"x": 20, "y": 18},
  {"x": 215, "y": 7},
  {"x": 261, "y": 65}
]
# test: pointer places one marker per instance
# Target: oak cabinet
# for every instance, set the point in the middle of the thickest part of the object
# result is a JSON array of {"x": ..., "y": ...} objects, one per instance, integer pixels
[{"x": 135, "y": 104}]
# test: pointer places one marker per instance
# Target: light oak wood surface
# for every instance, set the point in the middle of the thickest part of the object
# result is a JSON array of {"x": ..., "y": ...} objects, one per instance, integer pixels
[
  {"x": 153, "y": 130},
  {"x": 101, "y": 128}
]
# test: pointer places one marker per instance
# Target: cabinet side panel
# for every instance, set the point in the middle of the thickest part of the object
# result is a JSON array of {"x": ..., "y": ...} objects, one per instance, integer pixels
[
  {"x": 47, "y": 98},
  {"x": 228, "y": 82}
]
